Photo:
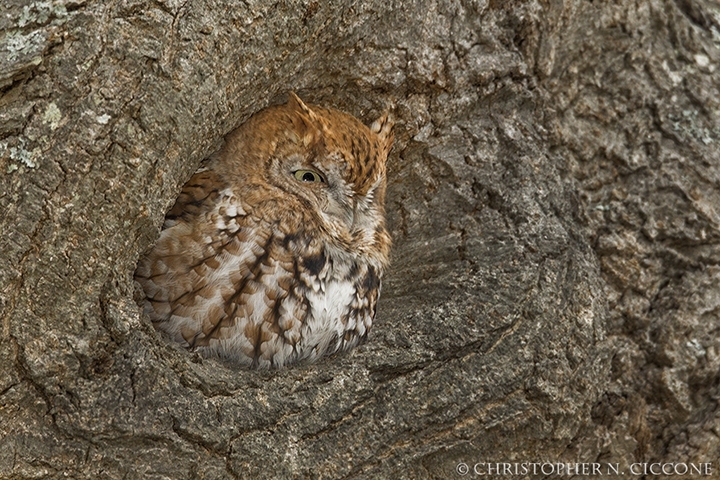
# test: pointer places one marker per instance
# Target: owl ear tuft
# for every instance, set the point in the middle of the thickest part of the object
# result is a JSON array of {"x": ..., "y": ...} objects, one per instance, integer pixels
[
  {"x": 383, "y": 128},
  {"x": 306, "y": 121},
  {"x": 298, "y": 105}
]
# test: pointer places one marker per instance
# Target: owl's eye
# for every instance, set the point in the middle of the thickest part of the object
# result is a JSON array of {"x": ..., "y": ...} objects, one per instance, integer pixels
[{"x": 308, "y": 176}]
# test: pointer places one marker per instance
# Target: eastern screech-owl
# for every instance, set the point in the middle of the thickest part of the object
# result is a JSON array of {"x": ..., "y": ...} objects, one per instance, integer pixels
[{"x": 275, "y": 249}]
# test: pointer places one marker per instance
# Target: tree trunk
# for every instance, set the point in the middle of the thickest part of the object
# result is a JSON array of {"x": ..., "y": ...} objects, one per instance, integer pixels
[{"x": 553, "y": 197}]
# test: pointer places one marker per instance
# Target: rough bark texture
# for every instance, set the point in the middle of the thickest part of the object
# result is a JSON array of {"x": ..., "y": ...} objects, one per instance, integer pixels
[{"x": 553, "y": 195}]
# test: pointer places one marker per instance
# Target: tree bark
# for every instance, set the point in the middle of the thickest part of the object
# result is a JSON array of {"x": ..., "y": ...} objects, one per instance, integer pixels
[{"x": 553, "y": 198}]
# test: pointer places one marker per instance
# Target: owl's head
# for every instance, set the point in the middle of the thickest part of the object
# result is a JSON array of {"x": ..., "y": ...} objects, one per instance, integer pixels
[{"x": 323, "y": 162}]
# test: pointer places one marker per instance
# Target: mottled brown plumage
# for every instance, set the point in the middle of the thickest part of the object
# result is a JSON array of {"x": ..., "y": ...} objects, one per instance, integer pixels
[{"x": 275, "y": 248}]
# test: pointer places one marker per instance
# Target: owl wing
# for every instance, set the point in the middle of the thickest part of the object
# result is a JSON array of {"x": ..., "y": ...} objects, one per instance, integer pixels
[
  {"x": 259, "y": 313},
  {"x": 178, "y": 274},
  {"x": 221, "y": 279},
  {"x": 199, "y": 195}
]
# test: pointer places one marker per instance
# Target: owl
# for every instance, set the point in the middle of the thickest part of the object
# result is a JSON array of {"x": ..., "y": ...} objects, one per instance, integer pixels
[{"x": 274, "y": 251}]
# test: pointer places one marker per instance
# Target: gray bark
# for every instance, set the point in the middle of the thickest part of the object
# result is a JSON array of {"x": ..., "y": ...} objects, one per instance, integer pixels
[{"x": 553, "y": 198}]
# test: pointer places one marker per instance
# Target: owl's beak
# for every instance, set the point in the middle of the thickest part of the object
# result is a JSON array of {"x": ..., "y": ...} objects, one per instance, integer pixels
[{"x": 343, "y": 210}]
